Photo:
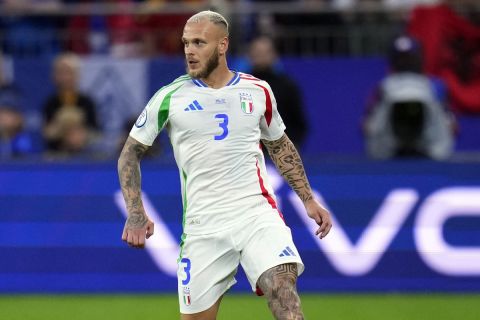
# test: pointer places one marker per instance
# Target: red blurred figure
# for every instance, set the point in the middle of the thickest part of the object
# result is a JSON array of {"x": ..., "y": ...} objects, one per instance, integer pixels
[
  {"x": 451, "y": 46},
  {"x": 115, "y": 34},
  {"x": 161, "y": 33}
]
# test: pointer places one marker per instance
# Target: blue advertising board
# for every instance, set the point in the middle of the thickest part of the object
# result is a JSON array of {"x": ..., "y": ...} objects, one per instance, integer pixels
[{"x": 398, "y": 226}]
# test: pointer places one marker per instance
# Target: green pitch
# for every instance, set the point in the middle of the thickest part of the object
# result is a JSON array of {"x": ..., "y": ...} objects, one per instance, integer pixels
[{"x": 315, "y": 306}]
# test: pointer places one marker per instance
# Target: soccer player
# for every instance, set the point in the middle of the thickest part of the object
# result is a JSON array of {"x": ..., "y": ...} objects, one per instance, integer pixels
[{"x": 216, "y": 119}]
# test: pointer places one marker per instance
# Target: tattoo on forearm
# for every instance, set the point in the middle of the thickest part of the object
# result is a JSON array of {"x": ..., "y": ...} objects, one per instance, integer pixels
[
  {"x": 130, "y": 181},
  {"x": 279, "y": 286},
  {"x": 289, "y": 164}
]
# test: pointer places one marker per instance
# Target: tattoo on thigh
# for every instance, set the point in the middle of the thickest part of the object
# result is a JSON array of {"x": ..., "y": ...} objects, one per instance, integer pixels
[{"x": 279, "y": 286}]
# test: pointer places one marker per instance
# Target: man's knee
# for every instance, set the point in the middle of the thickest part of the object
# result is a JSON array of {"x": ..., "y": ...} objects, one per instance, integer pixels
[
  {"x": 279, "y": 286},
  {"x": 283, "y": 276}
]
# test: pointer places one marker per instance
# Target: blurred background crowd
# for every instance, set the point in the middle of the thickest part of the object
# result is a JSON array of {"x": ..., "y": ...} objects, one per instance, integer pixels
[{"x": 431, "y": 50}]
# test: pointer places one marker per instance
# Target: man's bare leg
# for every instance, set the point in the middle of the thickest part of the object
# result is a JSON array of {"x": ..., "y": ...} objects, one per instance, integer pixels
[
  {"x": 209, "y": 314},
  {"x": 279, "y": 286}
]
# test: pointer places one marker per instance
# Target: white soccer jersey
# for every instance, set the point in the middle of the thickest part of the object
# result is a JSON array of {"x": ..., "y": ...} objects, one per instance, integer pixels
[{"x": 215, "y": 134}]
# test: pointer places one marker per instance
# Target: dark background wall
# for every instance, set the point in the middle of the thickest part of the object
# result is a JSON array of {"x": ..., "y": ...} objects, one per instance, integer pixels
[{"x": 335, "y": 92}]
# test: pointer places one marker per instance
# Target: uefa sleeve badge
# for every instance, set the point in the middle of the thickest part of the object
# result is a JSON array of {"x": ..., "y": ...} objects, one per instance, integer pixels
[{"x": 142, "y": 119}]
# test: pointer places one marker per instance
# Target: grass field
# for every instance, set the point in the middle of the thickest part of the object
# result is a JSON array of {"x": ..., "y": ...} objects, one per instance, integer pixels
[{"x": 146, "y": 307}]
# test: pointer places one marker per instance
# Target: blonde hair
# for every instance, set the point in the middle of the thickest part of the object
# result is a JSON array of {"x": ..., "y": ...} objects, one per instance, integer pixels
[{"x": 213, "y": 17}]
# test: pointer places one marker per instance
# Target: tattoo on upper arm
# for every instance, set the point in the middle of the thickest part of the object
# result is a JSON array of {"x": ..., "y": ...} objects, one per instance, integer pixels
[
  {"x": 290, "y": 165},
  {"x": 130, "y": 181},
  {"x": 279, "y": 287}
]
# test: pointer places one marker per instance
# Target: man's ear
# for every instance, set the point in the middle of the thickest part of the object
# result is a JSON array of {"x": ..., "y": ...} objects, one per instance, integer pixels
[{"x": 223, "y": 46}]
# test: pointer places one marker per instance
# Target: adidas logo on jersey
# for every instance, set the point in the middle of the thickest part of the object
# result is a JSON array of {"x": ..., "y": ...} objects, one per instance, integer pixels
[
  {"x": 194, "y": 106},
  {"x": 287, "y": 252}
]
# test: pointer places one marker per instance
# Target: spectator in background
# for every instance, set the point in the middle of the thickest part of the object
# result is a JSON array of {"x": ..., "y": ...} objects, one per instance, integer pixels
[
  {"x": 74, "y": 139},
  {"x": 408, "y": 117},
  {"x": 451, "y": 46},
  {"x": 263, "y": 60},
  {"x": 68, "y": 109},
  {"x": 15, "y": 141},
  {"x": 29, "y": 33}
]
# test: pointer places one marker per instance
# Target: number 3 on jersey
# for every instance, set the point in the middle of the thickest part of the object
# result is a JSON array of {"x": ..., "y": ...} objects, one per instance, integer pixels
[{"x": 223, "y": 125}]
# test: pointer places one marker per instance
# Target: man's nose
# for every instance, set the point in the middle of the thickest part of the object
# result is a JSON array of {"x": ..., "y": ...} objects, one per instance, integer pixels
[{"x": 188, "y": 50}]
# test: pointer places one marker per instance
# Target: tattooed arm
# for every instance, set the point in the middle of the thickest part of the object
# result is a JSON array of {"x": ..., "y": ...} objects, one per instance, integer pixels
[
  {"x": 138, "y": 226},
  {"x": 289, "y": 164}
]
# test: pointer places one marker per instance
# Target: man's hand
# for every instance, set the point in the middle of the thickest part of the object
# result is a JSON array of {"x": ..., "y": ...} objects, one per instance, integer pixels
[
  {"x": 321, "y": 216},
  {"x": 137, "y": 229}
]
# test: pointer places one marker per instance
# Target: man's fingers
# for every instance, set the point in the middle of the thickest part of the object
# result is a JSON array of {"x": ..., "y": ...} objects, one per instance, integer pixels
[
  {"x": 141, "y": 241},
  {"x": 150, "y": 230},
  {"x": 135, "y": 237},
  {"x": 130, "y": 238},
  {"x": 321, "y": 217},
  {"x": 136, "y": 241},
  {"x": 324, "y": 226},
  {"x": 318, "y": 220},
  {"x": 327, "y": 230}
]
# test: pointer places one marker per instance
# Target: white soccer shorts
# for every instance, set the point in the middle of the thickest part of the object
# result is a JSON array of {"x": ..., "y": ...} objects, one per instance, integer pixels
[{"x": 208, "y": 263}]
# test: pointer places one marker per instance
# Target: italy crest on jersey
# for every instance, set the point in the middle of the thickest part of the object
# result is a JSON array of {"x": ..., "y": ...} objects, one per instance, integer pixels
[
  {"x": 187, "y": 299},
  {"x": 246, "y": 102}
]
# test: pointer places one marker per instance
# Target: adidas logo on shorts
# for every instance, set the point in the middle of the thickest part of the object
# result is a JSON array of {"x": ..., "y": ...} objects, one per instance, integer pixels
[{"x": 287, "y": 252}]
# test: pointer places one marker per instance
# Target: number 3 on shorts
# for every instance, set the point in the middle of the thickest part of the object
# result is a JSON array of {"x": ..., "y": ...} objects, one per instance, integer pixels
[
  {"x": 186, "y": 268},
  {"x": 222, "y": 125}
]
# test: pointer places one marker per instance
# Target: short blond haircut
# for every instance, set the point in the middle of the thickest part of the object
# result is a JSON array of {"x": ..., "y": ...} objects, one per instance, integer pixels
[{"x": 213, "y": 17}]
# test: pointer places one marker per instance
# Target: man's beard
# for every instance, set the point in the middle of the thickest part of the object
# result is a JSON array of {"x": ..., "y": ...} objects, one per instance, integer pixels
[{"x": 212, "y": 64}]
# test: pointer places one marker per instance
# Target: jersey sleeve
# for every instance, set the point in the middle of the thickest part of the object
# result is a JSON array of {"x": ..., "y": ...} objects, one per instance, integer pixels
[
  {"x": 271, "y": 124},
  {"x": 146, "y": 128},
  {"x": 156, "y": 114}
]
